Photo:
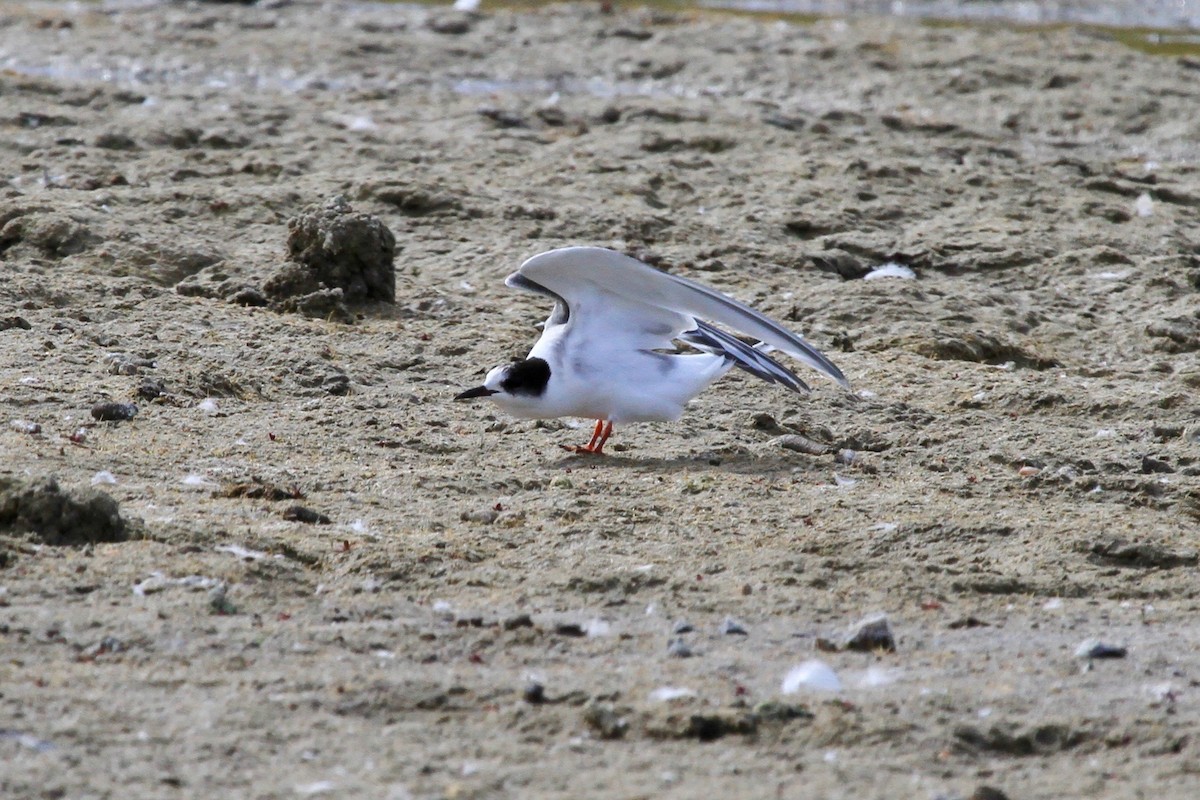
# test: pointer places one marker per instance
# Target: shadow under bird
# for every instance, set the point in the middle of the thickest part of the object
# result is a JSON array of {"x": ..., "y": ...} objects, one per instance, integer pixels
[{"x": 608, "y": 350}]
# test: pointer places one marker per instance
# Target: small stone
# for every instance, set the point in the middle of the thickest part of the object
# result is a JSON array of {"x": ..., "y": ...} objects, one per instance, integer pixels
[
  {"x": 826, "y": 645},
  {"x": 450, "y": 23},
  {"x": 109, "y": 644},
  {"x": 678, "y": 648},
  {"x": 517, "y": 621},
  {"x": 572, "y": 629},
  {"x": 151, "y": 389},
  {"x": 249, "y": 296},
  {"x": 125, "y": 364},
  {"x": 306, "y": 515},
  {"x": 605, "y": 721},
  {"x": 682, "y": 626},
  {"x": 7, "y": 323},
  {"x": 765, "y": 422},
  {"x": 1152, "y": 465},
  {"x": 731, "y": 627},
  {"x": 25, "y": 426},
  {"x": 1094, "y": 648},
  {"x": 114, "y": 412},
  {"x": 534, "y": 693},
  {"x": 872, "y": 634},
  {"x": 219, "y": 602},
  {"x": 987, "y": 793},
  {"x": 481, "y": 516},
  {"x": 802, "y": 444}
]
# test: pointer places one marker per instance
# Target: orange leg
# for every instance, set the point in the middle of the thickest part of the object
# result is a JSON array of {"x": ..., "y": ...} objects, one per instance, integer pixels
[
  {"x": 596, "y": 446},
  {"x": 599, "y": 449}
]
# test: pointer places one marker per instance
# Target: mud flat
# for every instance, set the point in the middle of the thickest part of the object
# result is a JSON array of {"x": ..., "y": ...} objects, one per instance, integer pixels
[{"x": 325, "y": 578}]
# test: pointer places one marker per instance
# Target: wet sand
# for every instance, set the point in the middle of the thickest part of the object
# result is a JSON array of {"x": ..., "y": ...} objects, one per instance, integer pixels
[{"x": 1015, "y": 473}]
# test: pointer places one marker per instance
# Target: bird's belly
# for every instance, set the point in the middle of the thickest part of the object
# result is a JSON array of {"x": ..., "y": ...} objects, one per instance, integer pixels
[{"x": 651, "y": 387}]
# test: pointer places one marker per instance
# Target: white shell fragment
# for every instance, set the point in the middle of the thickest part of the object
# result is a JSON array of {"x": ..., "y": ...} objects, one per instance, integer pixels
[
  {"x": 890, "y": 270},
  {"x": 198, "y": 481},
  {"x": 665, "y": 694},
  {"x": 157, "y": 582},
  {"x": 812, "y": 675}
]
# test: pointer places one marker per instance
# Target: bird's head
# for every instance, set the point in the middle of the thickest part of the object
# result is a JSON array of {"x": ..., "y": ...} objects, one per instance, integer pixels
[{"x": 515, "y": 387}]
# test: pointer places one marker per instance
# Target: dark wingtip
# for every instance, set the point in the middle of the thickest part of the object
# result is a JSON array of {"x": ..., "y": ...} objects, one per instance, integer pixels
[{"x": 478, "y": 391}]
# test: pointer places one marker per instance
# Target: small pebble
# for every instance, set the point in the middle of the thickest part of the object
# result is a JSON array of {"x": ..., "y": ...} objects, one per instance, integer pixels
[
  {"x": 682, "y": 626},
  {"x": 1094, "y": 648},
  {"x": 802, "y": 444},
  {"x": 482, "y": 516},
  {"x": 731, "y": 627},
  {"x": 114, "y": 412},
  {"x": 517, "y": 621},
  {"x": 103, "y": 476},
  {"x": 305, "y": 515},
  {"x": 872, "y": 634},
  {"x": 573, "y": 629},
  {"x": 1028, "y": 471},
  {"x": 678, "y": 648},
  {"x": 25, "y": 426},
  {"x": 218, "y": 601},
  {"x": 987, "y": 793},
  {"x": 534, "y": 693},
  {"x": 151, "y": 389}
]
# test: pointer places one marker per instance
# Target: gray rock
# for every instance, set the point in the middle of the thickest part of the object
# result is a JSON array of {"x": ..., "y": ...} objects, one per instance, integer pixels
[
  {"x": 731, "y": 627},
  {"x": 678, "y": 648},
  {"x": 872, "y": 634},
  {"x": 114, "y": 412},
  {"x": 1094, "y": 648}
]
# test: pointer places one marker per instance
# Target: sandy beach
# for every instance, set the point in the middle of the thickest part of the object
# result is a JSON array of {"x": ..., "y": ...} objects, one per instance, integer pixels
[{"x": 250, "y": 547}]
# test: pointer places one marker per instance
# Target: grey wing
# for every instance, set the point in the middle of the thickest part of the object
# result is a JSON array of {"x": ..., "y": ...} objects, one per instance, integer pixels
[
  {"x": 612, "y": 321},
  {"x": 561, "y": 313},
  {"x": 752, "y": 359},
  {"x": 576, "y": 271}
]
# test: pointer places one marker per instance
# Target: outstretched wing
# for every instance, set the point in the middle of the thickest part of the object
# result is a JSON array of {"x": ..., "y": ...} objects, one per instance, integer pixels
[
  {"x": 580, "y": 276},
  {"x": 750, "y": 358}
]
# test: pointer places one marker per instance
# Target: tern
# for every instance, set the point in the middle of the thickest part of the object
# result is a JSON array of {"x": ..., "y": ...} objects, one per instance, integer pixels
[{"x": 608, "y": 349}]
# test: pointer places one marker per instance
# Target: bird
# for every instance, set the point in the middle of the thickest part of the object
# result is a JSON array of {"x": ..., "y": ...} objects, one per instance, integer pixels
[{"x": 608, "y": 350}]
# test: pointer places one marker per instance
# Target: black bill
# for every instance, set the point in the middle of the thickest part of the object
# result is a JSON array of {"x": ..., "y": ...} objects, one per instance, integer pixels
[{"x": 478, "y": 391}]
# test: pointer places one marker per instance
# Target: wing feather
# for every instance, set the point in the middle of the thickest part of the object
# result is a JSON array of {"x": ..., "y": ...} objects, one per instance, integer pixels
[{"x": 575, "y": 274}]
